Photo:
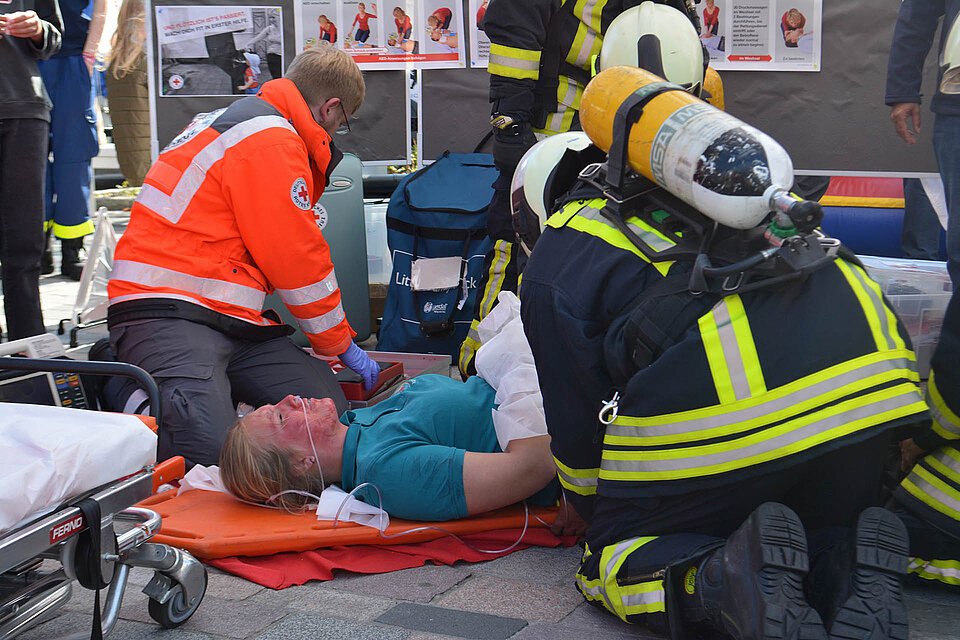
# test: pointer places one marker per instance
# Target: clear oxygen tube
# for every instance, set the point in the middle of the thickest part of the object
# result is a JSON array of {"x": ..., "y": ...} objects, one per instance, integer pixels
[{"x": 336, "y": 519}]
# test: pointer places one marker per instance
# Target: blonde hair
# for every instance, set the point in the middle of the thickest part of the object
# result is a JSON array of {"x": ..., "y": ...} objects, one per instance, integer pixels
[
  {"x": 322, "y": 72},
  {"x": 794, "y": 16},
  {"x": 127, "y": 41},
  {"x": 255, "y": 472}
]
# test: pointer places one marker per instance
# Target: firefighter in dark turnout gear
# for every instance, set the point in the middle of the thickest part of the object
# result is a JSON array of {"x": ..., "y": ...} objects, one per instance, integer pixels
[
  {"x": 541, "y": 53},
  {"x": 931, "y": 491},
  {"x": 720, "y": 443}
]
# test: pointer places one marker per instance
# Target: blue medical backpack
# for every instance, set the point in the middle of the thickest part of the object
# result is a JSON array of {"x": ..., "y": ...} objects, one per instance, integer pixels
[{"x": 438, "y": 212}]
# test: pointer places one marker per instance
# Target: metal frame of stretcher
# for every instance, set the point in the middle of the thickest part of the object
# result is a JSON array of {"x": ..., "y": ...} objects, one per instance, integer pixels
[{"x": 29, "y": 591}]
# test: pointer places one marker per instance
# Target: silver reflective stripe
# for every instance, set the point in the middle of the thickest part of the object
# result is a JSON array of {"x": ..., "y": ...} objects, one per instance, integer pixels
[
  {"x": 321, "y": 323},
  {"x": 172, "y": 206},
  {"x": 933, "y": 492},
  {"x": 309, "y": 293},
  {"x": 137, "y": 398},
  {"x": 731, "y": 350},
  {"x": 618, "y": 550},
  {"x": 590, "y": 591},
  {"x": 946, "y": 572},
  {"x": 586, "y": 17},
  {"x": 513, "y": 63},
  {"x": 658, "y": 463},
  {"x": 150, "y": 275},
  {"x": 644, "y": 597},
  {"x": 948, "y": 461},
  {"x": 175, "y": 296},
  {"x": 878, "y": 306},
  {"x": 939, "y": 417},
  {"x": 576, "y": 482},
  {"x": 649, "y": 238},
  {"x": 757, "y": 411}
]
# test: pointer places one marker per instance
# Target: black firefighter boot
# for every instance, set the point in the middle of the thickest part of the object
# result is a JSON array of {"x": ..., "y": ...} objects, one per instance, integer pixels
[
  {"x": 752, "y": 588},
  {"x": 72, "y": 264},
  {"x": 867, "y": 601}
]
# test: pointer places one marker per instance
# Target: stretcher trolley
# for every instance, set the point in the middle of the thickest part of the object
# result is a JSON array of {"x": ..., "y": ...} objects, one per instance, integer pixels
[{"x": 95, "y": 538}]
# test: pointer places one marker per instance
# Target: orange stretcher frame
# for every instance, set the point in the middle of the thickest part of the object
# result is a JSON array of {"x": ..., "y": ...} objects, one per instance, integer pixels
[{"x": 211, "y": 524}]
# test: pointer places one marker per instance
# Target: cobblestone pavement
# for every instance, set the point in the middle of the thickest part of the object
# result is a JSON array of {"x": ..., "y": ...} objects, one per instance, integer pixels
[{"x": 528, "y": 595}]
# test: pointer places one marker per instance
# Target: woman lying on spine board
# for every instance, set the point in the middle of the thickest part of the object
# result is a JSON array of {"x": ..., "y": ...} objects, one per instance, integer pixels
[{"x": 438, "y": 449}]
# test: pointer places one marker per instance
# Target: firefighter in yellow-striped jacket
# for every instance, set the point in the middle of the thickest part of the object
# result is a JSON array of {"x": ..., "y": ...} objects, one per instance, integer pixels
[
  {"x": 725, "y": 449},
  {"x": 930, "y": 494},
  {"x": 541, "y": 53}
]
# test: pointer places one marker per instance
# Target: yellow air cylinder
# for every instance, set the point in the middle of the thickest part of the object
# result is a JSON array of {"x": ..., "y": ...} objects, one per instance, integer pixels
[{"x": 713, "y": 161}]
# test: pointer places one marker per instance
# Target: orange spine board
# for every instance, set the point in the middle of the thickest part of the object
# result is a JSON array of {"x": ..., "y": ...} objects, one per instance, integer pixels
[{"x": 210, "y": 525}]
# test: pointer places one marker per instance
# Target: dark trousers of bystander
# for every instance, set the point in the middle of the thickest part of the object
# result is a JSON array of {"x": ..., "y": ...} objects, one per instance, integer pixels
[{"x": 23, "y": 160}]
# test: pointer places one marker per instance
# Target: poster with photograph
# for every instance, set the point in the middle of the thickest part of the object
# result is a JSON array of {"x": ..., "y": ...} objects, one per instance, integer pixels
[
  {"x": 397, "y": 34},
  {"x": 320, "y": 21},
  {"x": 762, "y": 35},
  {"x": 217, "y": 50},
  {"x": 479, "y": 42}
]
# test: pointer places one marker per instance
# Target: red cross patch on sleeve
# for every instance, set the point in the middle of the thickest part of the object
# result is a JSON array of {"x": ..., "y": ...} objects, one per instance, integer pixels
[{"x": 300, "y": 195}]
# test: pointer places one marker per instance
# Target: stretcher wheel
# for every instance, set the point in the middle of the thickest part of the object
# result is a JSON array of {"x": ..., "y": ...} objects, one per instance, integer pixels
[{"x": 174, "y": 612}]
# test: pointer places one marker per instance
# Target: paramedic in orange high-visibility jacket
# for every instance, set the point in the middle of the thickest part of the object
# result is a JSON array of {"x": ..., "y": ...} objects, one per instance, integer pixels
[{"x": 225, "y": 217}]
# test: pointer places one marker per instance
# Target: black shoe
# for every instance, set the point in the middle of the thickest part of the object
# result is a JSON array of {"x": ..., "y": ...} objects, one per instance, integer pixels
[
  {"x": 871, "y": 605},
  {"x": 753, "y": 587},
  {"x": 46, "y": 258},
  {"x": 72, "y": 264}
]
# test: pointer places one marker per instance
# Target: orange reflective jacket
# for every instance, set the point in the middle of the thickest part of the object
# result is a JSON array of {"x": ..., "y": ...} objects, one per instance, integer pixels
[{"x": 225, "y": 216}]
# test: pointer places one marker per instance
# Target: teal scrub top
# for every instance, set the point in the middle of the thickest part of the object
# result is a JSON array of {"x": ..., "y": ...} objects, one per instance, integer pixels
[{"x": 411, "y": 446}]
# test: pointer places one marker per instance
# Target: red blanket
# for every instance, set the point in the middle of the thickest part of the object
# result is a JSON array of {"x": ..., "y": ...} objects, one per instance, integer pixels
[{"x": 282, "y": 570}]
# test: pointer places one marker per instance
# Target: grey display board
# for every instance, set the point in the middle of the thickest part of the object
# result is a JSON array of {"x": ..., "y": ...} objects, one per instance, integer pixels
[
  {"x": 380, "y": 130},
  {"x": 454, "y": 110},
  {"x": 833, "y": 121}
]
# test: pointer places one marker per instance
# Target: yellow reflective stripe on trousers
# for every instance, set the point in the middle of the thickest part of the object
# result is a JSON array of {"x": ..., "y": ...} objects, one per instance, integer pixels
[
  {"x": 502, "y": 252},
  {"x": 469, "y": 346},
  {"x": 69, "y": 232},
  {"x": 946, "y": 423},
  {"x": 174, "y": 205},
  {"x": 310, "y": 293},
  {"x": 799, "y": 434},
  {"x": 150, "y": 275},
  {"x": 946, "y": 461},
  {"x": 580, "y": 481},
  {"x": 731, "y": 352},
  {"x": 882, "y": 321},
  {"x": 945, "y": 571},
  {"x": 795, "y": 398},
  {"x": 644, "y": 597},
  {"x": 932, "y": 491},
  {"x": 589, "y": 220},
  {"x": 512, "y": 62}
]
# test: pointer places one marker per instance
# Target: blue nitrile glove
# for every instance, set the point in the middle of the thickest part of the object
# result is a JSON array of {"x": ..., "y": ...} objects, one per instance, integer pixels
[{"x": 358, "y": 360}]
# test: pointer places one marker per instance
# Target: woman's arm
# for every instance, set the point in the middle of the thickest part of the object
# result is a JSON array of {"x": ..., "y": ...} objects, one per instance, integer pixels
[{"x": 494, "y": 480}]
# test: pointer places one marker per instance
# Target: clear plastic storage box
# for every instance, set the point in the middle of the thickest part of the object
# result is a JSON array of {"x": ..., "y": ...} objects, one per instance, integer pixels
[{"x": 919, "y": 291}]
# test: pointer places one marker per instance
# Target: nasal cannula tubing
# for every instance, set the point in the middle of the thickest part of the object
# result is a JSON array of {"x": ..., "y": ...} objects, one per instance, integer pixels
[{"x": 336, "y": 518}]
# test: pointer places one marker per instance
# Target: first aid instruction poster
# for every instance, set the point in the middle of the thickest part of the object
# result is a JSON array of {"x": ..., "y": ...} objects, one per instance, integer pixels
[{"x": 762, "y": 35}]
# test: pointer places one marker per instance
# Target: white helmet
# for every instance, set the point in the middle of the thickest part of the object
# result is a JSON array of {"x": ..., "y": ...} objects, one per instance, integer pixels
[
  {"x": 659, "y": 39},
  {"x": 530, "y": 191},
  {"x": 950, "y": 60}
]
